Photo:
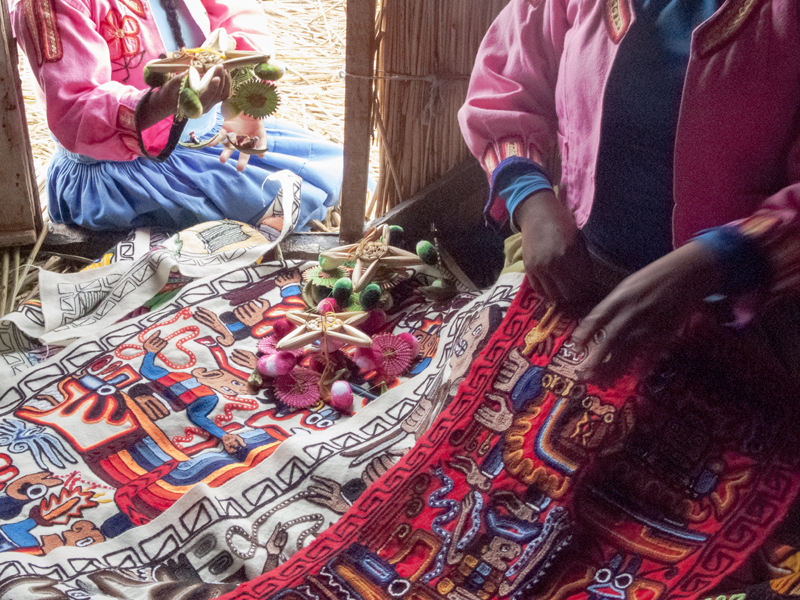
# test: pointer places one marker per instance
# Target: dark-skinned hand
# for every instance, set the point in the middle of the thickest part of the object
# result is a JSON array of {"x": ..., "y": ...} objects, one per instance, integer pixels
[
  {"x": 556, "y": 260},
  {"x": 642, "y": 316},
  {"x": 163, "y": 101}
]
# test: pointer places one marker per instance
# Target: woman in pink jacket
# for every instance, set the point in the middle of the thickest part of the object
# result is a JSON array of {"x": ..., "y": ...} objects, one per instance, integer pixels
[
  {"x": 671, "y": 132},
  {"x": 671, "y": 128},
  {"x": 88, "y": 58}
]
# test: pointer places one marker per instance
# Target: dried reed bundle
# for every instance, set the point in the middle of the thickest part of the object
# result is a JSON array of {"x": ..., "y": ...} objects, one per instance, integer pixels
[{"x": 425, "y": 53}]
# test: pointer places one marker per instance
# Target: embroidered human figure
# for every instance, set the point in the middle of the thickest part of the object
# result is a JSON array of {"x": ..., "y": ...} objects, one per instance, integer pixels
[{"x": 198, "y": 390}]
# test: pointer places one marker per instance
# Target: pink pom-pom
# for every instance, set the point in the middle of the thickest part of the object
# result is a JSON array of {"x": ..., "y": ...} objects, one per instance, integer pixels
[
  {"x": 281, "y": 328},
  {"x": 341, "y": 396},
  {"x": 412, "y": 341},
  {"x": 279, "y": 363},
  {"x": 375, "y": 322},
  {"x": 364, "y": 358},
  {"x": 327, "y": 305}
]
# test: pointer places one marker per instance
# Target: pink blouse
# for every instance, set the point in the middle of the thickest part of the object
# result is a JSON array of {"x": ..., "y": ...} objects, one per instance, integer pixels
[{"x": 88, "y": 55}]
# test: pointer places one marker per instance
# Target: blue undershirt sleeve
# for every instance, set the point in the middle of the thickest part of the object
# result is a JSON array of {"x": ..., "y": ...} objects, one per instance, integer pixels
[
  {"x": 514, "y": 180},
  {"x": 744, "y": 266}
]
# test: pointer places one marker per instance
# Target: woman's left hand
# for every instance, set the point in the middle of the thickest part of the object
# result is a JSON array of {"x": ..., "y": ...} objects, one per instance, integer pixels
[
  {"x": 241, "y": 125},
  {"x": 644, "y": 313}
]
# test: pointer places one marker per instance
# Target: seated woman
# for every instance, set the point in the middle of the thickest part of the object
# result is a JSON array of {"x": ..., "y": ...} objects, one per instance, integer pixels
[
  {"x": 671, "y": 129},
  {"x": 88, "y": 58}
]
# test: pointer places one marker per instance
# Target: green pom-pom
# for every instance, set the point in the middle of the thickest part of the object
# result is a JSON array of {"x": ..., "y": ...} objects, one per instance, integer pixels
[
  {"x": 190, "y": 103},
  {"x": 269, "y": 71},
  {"x": 427, "y": 252},
  {"x": 257, "y": 99},
  {"x": 371, "y": 296},
  {"x": 153, "y": 78},
  {"x": 342, "y": 290},
  {"x": 327, "y": 263},
  {"x": 395, "y": 230}
]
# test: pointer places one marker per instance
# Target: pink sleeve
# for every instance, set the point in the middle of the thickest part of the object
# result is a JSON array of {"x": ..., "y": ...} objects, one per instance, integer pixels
[
  {"x": 87, "y": 111},
  {"x": 510, "y": 108},
  {"x": 244, "y": 20}
]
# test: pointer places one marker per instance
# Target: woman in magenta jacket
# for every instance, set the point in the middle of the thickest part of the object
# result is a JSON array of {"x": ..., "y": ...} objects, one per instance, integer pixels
[{"x": 671, "y": 129}]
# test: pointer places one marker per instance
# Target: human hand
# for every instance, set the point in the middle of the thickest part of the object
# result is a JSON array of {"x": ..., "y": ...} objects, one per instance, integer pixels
[
  {"x": 163, "y": 101},
  {"x": 155, "y": 343},
  {"x": 327, "y": 492},
  {"x": 496, "y": 420},
  {"x": 244, "y": 358},
  {"x": 250, "y": 313},
  {"x": 555, "y": 257},
  {"x": 210, "y": 320},
  {"x": 218, "y": 89},
  {"x": 232, "y": 442},
  {"x": 378, "y": 466},
  {"x": 277, "y": 540},
  {"x": 644, "y": 313},
  {"x": 240, "y": 126},
  {"x": 151, "y": 406}
]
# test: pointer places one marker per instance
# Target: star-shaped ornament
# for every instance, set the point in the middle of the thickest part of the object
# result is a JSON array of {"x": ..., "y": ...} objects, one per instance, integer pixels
[
  {"x": 312, "y": 327},
  {"x": 219, "y": 48},
  {"x": 372, "y": 253}
]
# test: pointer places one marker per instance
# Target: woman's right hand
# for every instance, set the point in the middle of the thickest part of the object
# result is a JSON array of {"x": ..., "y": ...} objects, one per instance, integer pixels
[
  {"x": 556, "y": 260},
  {"x": 163, "y": 101}
]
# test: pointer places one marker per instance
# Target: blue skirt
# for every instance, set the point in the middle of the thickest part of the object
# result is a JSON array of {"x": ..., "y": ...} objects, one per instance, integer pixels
[{"x": 192, "y": 186}]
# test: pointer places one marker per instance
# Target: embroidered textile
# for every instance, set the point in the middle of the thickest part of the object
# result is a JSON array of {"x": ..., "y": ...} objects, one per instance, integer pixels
[{"x": 531, "y": 485}]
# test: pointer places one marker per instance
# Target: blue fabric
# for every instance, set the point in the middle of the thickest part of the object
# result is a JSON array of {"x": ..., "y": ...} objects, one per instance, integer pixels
[
  {"x": 192, "y": 186},
  {"x": 744, "y": 266},
  {"x": 630, "y": 223},
  {"x": 516, "y": 178}
]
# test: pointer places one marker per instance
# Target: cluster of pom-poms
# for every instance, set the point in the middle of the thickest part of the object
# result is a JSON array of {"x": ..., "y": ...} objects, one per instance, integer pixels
[{"x": 295, "y": 378}]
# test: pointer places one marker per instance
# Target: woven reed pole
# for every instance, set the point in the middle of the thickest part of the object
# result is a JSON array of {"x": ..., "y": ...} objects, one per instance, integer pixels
[{"x": 358, "y": 117}]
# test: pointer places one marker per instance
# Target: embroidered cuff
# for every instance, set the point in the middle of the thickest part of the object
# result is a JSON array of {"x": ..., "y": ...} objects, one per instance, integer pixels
[
  {"x": 513, "y": 180},
  {"x": 744, "y": 266}
]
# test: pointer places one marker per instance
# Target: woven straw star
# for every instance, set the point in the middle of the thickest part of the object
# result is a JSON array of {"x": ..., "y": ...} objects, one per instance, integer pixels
[
  {"x": 372, "y": 252},
  {"x": 311, "y": 327},
  {"x": 219, "y": 48}
]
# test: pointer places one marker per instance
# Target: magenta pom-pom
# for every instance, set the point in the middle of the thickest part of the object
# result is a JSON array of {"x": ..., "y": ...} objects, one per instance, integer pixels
[
  {"x": 262, "y": 364},
  {"x": 281, "y": 328},
  {"x": 375, "y": 322},
  {"x": 341, "y": 396},
  {"x": 364, "y": 358},
  {"x": 327, "y": 305},
  {"x": 413, "y": 342},
  {"x": 280, "y": 363}
]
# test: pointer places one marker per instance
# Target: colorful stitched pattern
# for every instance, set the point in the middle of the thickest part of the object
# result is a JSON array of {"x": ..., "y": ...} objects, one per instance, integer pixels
[{"x": 531, "y": 485}]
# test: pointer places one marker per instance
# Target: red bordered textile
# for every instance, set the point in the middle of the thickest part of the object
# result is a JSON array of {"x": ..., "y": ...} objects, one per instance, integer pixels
[
  {"x": 531, "y": 485},
  {"x": 40, "y": 17}
]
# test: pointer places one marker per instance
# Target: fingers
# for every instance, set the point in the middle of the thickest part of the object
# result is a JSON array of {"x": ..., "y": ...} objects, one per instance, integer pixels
[
  {"x": 227, "y": 151},
  {"x": 244, "y": 158}
]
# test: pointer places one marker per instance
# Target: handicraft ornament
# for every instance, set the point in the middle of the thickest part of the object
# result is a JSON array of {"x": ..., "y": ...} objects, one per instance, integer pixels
[
  {"x": 373, "y": 256},
  {"x": 253, "y": 91}
]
